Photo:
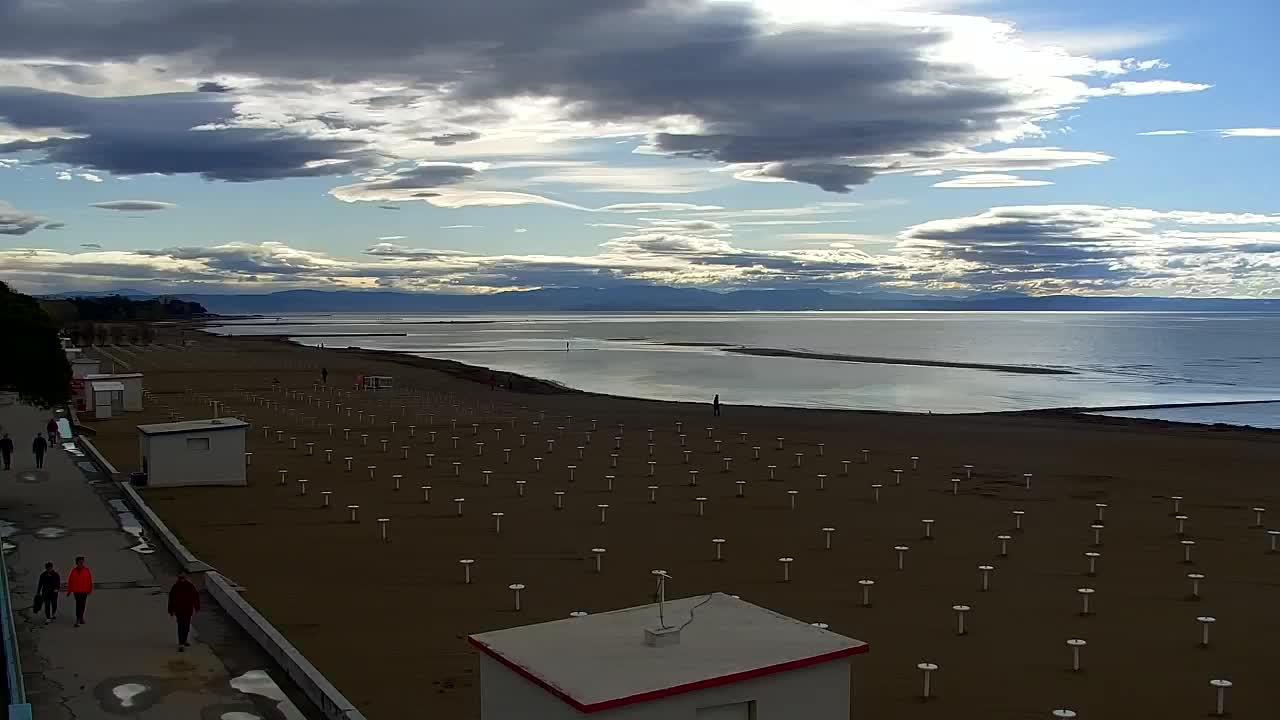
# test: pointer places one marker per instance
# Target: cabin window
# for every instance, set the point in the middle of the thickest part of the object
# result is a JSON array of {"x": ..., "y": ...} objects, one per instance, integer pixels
[{"x": 198, "y": 444}]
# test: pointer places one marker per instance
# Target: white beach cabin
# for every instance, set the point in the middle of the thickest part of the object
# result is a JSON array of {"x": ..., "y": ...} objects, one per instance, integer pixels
[
  {"x": 378, "y": 382},
  {"x": 82, "y": 367},
  {"x": 719, "y": 658},
  {"x": 132, "y": 389},
  {"x": 105, "y": 397},
  {"x": 194, "y": 452}
]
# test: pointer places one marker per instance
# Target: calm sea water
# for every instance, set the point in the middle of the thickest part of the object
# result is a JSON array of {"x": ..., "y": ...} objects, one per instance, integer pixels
[{"x": 1118, "y": 359}]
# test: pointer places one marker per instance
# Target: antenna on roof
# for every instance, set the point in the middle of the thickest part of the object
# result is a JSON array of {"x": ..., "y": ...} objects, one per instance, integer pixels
[{"x": 662, "y": 577}]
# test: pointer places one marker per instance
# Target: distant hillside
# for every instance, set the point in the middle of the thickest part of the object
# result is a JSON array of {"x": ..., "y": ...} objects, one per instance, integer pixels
[
  {"x": 659, "y": 299},
  {"x": 656, "y": 299}
]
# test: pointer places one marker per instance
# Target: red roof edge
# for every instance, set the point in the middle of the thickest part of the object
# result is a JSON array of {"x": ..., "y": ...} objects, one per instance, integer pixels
[{"x": 668, "y": 691}]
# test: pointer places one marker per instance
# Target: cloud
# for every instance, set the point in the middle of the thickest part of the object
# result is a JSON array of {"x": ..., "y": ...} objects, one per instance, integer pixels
[
  {"x": 54, "y": 225},
  {"x": 443, "y": 184},
  {"x": 1250, "y": 132},
  {"x": 388, "y": 207},
  {"x": 6, "y": 163},
  {"x": 91, "y": 246},
  {"x": 1151, "y": 87},
  {"x": 595, "y": 177},
  {"x": 825, "y": 102},
  {"x": 458, "y": 227},
  {"x": 89, "y": 177},
  {"x": 521, "y": 230},
  {"x": 1094, "y": 248},
  {"x": 657, "y": 207},
  {"x": 997, "y": 161},
  {"x": 172, "y": 133},
  {"x": 133, "y": 205},
  {"x": 18, "y": 222},
  {"x": 990, "y": 180},
  {"x": 1165, "y": 132}
]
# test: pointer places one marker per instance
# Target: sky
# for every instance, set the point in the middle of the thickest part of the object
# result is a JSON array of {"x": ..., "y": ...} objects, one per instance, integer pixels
[{"x": 933, "y": 147}]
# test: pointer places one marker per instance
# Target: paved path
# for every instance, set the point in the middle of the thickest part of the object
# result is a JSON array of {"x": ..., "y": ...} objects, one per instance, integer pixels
[{"x": 124, "y": 661}]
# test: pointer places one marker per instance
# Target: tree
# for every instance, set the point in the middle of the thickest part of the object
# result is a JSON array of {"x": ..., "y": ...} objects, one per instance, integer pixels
[{"x": 33, "y": 363}]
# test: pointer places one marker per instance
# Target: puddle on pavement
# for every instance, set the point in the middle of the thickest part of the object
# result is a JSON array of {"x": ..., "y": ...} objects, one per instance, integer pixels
[
  {"x": 32, "y": 476},
  {"x": 127, "y": 692},
  {"x": 258, "y": 682},
  {"x": 50, "y": 532},
  {"x": 143, "y": 548},
  {"x": 8, "y": 529},
  {"x": 7, "y": 547},
  {"x": 129, "y": 523},
  {"x": 239, "y": 716},
  {"x": 118, "y": 505}
]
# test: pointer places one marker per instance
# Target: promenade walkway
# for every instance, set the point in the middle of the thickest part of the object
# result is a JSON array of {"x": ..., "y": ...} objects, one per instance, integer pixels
[{"x": 124, "y": 661}]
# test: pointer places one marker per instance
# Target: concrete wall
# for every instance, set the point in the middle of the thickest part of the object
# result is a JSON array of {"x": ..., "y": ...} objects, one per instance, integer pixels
[
  {"x": 325, "y": 696},
  {"x": 170, "y": 461},
  {"x": 820, "y": 692}
]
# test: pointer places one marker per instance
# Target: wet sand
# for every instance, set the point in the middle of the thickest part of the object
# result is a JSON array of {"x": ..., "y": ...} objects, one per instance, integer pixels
[{"x": 386, "y": 622}]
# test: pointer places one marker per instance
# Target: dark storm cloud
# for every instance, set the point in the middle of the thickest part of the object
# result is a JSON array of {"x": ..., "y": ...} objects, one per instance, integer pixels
[
  {"x": 799, "y": 99},
  {"x": 212, "y": 87},
  {"x": 154, "y": 133}
]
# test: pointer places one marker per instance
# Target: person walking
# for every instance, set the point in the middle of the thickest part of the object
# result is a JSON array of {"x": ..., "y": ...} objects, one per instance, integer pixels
[
  {"x": 47, "y": 588},
  {"x": 324, "y": 376},
  {"x": 6, "y": 450},
  {"x": 51, "y": 429},
  {"x": 80, "y": 584},
  {"x": 715, "y": 405},
  {"x": 38, "y": 446},
  {"x": 184, "y": 601}
]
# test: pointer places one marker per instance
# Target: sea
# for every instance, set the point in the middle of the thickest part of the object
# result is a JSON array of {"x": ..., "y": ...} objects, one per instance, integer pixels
[{"x": 1125, "y": 364}]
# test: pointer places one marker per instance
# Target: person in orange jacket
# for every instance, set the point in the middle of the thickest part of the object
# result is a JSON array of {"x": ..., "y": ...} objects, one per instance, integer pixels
[
  {"x": 184, "y": 601},
  {"x": 80, "y": 584}
]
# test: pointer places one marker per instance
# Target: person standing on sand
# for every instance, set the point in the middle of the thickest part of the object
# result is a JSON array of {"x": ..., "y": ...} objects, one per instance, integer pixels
[
  {"x": 38, "y": 446},
  {"x": 6, "y": 450},
  {"x": 80, "y": 584},
  {"x": 324, "y": 376},
  {"x": 715, "y": 405},
  {"x": 184, "y": 601},
  {"x": 47, "y": 588}
]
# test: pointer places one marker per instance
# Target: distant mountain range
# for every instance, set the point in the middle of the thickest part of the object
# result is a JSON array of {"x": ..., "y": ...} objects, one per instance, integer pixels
[{"x": 659, "y": 299}]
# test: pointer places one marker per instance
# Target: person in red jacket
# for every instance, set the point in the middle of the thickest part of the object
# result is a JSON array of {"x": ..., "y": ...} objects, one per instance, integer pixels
[
  {"x": 184, "y": 601},
  {"x": 80, "y": 584}
]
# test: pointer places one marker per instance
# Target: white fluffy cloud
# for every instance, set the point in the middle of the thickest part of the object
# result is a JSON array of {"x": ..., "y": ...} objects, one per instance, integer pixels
[{"x": 990, "y": 180}]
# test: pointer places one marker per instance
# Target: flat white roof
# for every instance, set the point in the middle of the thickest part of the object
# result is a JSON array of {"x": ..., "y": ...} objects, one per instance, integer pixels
[
  {"x": 600, "y": 661},
  {"x": 85, "y": 360},
  {"x": 104, "y": 386},
  {"x": 191, "y": 426},
  {"x": 111, "y": 376}
]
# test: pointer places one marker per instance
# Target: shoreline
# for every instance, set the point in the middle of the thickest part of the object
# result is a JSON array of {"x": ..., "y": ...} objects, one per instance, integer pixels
[{"x": 540, "y": 386}]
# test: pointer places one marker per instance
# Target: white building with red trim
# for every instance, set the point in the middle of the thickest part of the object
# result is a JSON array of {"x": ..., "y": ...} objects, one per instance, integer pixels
[{"x": 730, "y": 660}]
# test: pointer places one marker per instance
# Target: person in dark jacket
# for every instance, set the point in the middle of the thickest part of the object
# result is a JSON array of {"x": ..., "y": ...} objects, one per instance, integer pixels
[
  {"x": 47, "y": 592},
  {"x": 51, "y": 429},
  {"x": 38, "y": 446},
  {"x": 184, "y": 601},
  {"x": 6, "y": 450}
]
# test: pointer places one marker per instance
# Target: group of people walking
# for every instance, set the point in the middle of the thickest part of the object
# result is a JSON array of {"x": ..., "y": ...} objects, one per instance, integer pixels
[
  {"x": 39, "y": 446},
  {"x": 184, "y": 598}
]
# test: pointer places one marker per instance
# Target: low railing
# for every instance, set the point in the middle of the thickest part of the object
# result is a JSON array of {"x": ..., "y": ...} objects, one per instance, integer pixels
[{"x": 15, "y": 691}]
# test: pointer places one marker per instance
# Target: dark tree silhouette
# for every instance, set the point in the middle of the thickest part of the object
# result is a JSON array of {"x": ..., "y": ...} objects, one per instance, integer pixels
[{"x": 32, "y": 363}]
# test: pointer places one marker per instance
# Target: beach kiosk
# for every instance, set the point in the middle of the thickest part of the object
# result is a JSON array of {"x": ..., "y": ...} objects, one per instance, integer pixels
[
  {"x": 106, "y": 398},
  {"x": 194, "y": 452},
  {"x": 711, "y": 657},
  {"x": 131, "y": 384},
  {"x": 84, "y": 366},
  {"x": 378, "y": 382}
]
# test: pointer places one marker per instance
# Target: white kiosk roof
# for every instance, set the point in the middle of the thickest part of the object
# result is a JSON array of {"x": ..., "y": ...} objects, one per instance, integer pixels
[
  {"x": 106, "y": 385},
  {"x": 188, "y": 426},
  {"x": 600, "y": 661}
]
